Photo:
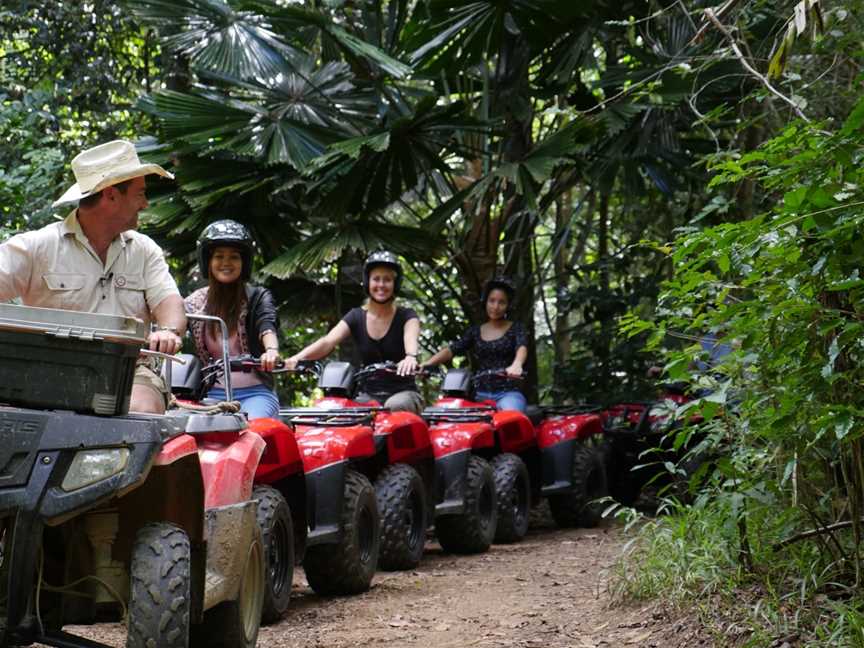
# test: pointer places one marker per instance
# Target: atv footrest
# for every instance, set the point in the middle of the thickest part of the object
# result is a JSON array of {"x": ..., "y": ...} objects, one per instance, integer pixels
[{"x": 65, "y": 640}]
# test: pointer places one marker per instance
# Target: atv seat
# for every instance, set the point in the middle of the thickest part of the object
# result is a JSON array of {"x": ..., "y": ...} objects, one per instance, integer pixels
[
  {"x": 535, "y": 414},
  {"x": 186, "y": 379}
]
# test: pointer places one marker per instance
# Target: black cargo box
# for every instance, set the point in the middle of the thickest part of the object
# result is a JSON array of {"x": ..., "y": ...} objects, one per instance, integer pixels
[{"x": 59, "y": 359}]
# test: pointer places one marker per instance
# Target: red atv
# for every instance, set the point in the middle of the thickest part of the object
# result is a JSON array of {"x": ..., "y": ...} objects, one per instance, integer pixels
[
  {"x": 641, "y": 448},
  {"x": 111, "y": 515},
  {"x": 398, "y": 462},
  {"x": 550, "y": 451}
]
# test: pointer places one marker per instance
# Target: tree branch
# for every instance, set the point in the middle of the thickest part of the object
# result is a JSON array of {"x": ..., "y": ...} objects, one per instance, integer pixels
[
  {"x": 812, "y": 533},
  {"x": 709, "y": 13}
]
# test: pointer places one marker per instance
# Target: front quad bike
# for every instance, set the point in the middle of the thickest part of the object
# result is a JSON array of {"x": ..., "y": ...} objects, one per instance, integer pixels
[
  {"x": 400, "y": 466},
  {"x": 113, "y": 513},
  {"x": 550, "y": 451}
]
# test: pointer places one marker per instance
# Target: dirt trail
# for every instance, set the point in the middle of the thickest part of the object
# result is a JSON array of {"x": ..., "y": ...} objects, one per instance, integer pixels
[{"x": 548, "y": 591}]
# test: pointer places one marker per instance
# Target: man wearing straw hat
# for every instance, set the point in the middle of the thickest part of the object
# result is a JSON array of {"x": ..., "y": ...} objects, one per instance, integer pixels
[{"x": 95, "y": 261}]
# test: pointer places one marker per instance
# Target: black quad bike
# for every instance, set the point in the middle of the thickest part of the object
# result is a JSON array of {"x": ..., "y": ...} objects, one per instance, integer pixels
[{"x": 108, "y": 515}]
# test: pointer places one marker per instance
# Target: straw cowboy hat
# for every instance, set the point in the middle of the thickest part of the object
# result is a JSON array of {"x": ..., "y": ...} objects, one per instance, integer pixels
[{"x": 106, "y": 165}]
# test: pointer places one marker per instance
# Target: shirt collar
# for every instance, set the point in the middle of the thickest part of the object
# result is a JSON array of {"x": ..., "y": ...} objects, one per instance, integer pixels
[{"x": 71, "y": 227}]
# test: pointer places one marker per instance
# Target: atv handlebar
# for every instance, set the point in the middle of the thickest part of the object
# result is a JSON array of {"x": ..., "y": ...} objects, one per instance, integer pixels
[
  {"x": 389, "y": 367},
  {"x": 247, "y": 363},
  {"x": 500, "y": 373}
]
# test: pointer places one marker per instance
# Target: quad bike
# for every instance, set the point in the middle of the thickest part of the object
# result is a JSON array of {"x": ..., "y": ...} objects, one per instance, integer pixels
[
  {"x": 112, "y": 515},
  {"x": 398, "y": 464},
  {"x": 314, "y": 505},
  {"x": 640, "y": 436},
  {"x": 548, "y": 452}
]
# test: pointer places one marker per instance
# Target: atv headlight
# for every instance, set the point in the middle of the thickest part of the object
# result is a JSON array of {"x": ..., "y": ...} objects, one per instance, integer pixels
[{"x": 91, "y": 466}]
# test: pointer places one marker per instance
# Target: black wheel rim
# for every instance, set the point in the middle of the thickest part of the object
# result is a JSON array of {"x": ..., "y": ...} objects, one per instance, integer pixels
[
  {"x": 595, "y": 487},
  {"x": 414, "y": 519},
  {"x": 279, "y": 559},
  {"x": 518, "y": 501},
  {"x": 484, "y": 505},
  {"x": 365, "y": 534}
]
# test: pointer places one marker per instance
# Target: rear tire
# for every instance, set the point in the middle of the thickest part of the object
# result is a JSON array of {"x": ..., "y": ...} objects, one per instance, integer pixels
[
  {"x": 579, "y": 507},
  {"x": 513, "y": 489},
  {"x": 159, "y": 596},
  {"x": 348, "y": 566},
  {"x": 235, "y": 624},
  {"x": 401, "y": 499},
  {"x": 277, "y": 537},
  {"x": 472, "y": 531}
]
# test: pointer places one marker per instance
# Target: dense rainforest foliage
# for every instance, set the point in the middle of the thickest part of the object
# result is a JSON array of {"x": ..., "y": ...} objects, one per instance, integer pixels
[{"x": 648, "y": 172}]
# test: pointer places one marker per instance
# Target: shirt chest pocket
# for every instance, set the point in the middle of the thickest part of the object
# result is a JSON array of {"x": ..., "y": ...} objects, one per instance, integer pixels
[
  {"x": 130, "y": 294},
  {"x": 65, "y": 290}
]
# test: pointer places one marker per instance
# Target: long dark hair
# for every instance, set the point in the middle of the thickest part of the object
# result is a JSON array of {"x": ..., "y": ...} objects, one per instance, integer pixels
[{"x": 225, "y": 301}]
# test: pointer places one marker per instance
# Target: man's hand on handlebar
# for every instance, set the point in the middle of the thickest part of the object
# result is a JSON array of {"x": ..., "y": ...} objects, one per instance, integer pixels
[{"x": 164, "y": 341}]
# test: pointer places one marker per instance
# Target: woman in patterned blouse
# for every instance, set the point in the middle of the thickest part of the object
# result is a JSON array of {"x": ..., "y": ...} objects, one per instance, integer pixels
[{"x": 498, "y": 343}]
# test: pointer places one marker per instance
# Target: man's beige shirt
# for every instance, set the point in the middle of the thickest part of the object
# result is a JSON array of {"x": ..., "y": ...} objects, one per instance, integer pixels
[{"x": 56, "y": 267}]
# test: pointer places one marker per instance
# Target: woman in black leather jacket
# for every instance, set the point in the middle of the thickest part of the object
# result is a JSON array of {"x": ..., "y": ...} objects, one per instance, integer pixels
[{"x": 225, "y": 258}]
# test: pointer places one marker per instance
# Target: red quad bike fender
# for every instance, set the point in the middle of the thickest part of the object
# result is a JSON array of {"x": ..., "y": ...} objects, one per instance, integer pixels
[
  {"x": 326, "y": 453},
  {"x": 452, "y": 446},
  {"x": 557, "y": 438},
  {"x": 281, "y": 457},
  {"x": 405, "y": 435},
  {"x": 228, "y": 464},
  {"x": 514, "y": 430}
]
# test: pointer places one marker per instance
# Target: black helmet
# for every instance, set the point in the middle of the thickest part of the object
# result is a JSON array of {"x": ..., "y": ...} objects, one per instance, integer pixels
[
  {"x": 382, "y": 258},
  {"x": 499, "y": 283},
  {"x": 228, "y": 233}
]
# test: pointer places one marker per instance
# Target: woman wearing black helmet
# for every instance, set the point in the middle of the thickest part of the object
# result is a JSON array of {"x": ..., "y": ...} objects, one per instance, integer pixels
[
  {"x": 496, "y": 344},
  {"x": 382, "y": 331},
  {"x": 225, "y": 251}
]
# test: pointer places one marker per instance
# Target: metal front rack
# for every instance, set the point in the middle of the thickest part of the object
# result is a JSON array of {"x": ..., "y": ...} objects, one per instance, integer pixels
[
  {"x": 348, "y": 417},
  {"x": 458, "y": 414},
  {"x": 561, "y": 410}
]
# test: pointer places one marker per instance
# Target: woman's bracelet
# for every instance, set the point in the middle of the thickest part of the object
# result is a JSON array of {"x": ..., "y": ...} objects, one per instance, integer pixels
[
  {"x": 412, "y": 355},
  {"x": 271, "y": 349}
]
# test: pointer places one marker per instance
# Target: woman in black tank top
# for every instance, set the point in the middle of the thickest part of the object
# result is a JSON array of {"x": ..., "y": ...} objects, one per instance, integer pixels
[{"x": 382, "y": 331}]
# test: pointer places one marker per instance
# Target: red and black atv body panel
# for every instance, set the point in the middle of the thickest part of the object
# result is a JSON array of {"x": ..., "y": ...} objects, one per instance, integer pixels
[
  {"x": 37, "y": 449},
  {"x": 557, "y": 437},
  {"x": 327, "y": 446}
]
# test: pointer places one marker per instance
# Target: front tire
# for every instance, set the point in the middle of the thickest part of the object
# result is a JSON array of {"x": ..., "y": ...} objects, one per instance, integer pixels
[
  {"x": 348, "y": 566},
  {"x": 473, "y": 530},
  {"x": 580, "y": 506},
  {"x": 513, "y": 488},
  {"x": 277, "y": 536},
  {"x": 401, "y": 499},
  {"x": 159, "y": 596}
]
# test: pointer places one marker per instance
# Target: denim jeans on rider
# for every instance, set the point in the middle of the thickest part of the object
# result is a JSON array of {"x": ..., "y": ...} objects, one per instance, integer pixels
[
  {"x": 506, "y": 400},
  {"x": 257, "y": 401}
]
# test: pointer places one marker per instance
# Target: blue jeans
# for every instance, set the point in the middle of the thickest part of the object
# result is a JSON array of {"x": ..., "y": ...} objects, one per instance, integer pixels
[
  {"x": 506, "y": 400},
  {"x": 257, "y": 401}
]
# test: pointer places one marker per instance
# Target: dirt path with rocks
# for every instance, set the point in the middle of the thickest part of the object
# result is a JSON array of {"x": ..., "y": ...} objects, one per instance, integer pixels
[{"x": 547, "y": 591}]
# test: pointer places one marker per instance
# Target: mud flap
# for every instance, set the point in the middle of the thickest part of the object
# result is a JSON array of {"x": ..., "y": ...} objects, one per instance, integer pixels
[
  {"x": 450, "y": 473},
  {"x": 557, "y": 467},
  {"x": 324, "y": 500},
  {"x": 230, "y": 531}
]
